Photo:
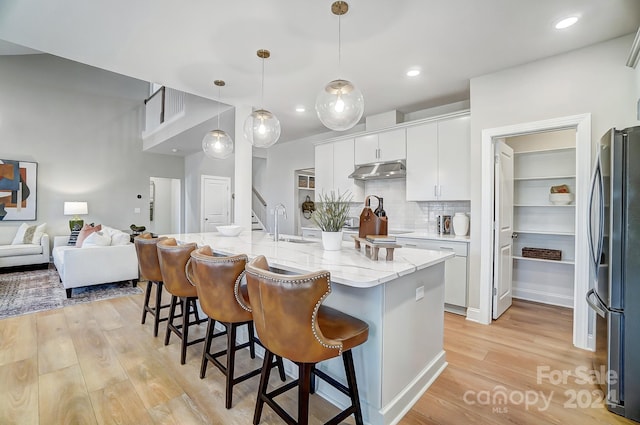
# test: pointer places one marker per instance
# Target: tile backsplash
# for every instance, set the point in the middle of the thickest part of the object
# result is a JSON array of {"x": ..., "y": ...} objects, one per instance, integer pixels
[{"x": 403, "y": 214}]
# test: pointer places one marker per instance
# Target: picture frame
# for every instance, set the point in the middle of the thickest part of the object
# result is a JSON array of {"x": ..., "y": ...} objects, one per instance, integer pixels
[{"x": 18, "y": 190}]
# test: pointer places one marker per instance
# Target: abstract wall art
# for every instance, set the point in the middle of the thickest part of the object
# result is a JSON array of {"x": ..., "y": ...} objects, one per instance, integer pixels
[{"x": 18, "y": 183}]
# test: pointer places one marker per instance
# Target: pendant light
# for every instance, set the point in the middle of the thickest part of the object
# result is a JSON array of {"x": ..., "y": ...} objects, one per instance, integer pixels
[
  {"x": 262, "y": 128},
  {"x": 217, "y": 143},
  {"x": 340, "y": 104}
]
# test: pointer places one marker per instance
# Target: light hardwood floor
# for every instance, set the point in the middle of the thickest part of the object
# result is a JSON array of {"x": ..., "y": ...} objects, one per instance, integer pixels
[{"x": 95, "y": 364}]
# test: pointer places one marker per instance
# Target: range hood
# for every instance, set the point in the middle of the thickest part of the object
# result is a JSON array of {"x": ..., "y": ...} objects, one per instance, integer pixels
[{"x": 380, "y": 170}]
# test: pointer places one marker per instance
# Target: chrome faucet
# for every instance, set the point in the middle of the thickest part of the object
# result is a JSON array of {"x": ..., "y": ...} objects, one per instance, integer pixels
[{"x": 276, "y": 210}]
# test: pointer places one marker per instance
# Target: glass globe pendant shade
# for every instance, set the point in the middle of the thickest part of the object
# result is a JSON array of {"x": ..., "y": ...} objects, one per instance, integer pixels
[
  {"x": 262, "y": 128},
  {"x": 217, "y": 144},
  {"x": 340, "y": 105}
]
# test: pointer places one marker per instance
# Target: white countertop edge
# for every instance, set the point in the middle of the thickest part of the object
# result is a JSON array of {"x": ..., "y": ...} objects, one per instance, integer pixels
[{"x": 347, "y": 271}]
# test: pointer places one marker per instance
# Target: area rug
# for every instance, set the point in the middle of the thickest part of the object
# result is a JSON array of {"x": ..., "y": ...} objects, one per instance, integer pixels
[{"x": 24, "y": 292}]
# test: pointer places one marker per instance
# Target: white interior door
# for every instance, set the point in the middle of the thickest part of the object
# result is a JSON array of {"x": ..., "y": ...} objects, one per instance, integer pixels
[
  {"x": 216, "y": 202},
  {"x": 503, "y": 219}
]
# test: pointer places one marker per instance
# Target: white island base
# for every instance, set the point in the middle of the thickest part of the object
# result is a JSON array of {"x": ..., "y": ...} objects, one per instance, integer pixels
[
  {"x": 401, "y": 300},
  {"x": 404, "y": 353}
]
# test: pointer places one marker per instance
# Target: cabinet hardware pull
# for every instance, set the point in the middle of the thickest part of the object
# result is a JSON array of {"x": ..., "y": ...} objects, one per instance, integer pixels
[
  {"x": 446, "y": 248},
  {"x": 410, "y": 244},
  {"x": 435, "y": 190}
]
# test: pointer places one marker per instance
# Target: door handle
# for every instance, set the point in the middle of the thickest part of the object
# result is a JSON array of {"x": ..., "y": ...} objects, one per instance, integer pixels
[
  {"x": 514, "y": 235},
  {"x": 598, "y": 309},
  {"x": 206, "y": 219}
]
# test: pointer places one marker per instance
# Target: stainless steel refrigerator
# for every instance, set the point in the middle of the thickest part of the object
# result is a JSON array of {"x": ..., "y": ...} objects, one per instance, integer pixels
[{"x": 614, "y": 237}]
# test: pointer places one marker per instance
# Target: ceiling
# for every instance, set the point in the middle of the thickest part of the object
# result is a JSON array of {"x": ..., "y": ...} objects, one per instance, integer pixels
[{"x": 187, "y": 45}]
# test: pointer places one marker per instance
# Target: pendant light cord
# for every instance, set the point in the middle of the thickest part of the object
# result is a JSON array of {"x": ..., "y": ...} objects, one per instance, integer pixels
[
  {"x": 218, "y": 107},
  {"x": 262, "y": 88},
  {"x": 339, "y": 45}
]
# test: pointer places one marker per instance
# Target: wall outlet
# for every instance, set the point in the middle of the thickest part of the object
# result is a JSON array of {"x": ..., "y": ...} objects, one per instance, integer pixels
[
  {"x": 136, "y": 210},
  {"x": 419, "y": 292}
]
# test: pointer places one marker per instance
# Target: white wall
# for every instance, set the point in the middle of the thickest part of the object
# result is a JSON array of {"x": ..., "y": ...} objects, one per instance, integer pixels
[
  {"x": 591, "y": 80},
  {"x": 82, "y": 125},
  {"x": 282, "y": 161},
  {"x": 166, "y": 215},
  {"x": 196, "y": 165}
]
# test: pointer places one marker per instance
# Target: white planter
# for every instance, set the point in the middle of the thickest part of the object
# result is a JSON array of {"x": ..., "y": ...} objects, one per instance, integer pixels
[
  {"x": 460, "y": 224},
  {"x": 332, "y": 241}
]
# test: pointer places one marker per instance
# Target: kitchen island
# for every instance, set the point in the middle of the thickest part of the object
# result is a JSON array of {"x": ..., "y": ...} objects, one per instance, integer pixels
[{"x": 401, "y": 300}]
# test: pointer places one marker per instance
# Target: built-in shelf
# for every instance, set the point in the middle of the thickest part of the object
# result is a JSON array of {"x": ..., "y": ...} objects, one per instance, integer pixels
[
  {"x": 544, "y": 178},
  {"x": 537, "y": 151},
  {"x": 544, "y": 260},
  {"x": 545, "y": 232},
  {"x": 306, "y": 188},
  {"x": 543, "y": 205},
  {"x": 542, "y": 161}
]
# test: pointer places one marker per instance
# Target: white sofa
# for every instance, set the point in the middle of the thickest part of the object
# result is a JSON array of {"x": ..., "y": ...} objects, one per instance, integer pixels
[
  {"x": 94, "y": 265},
  {"x": 21, "y": 255}
]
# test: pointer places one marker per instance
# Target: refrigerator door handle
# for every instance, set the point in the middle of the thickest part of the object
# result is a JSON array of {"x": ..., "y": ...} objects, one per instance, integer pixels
[
  {"x": 596, "y": 184},
  {"x": 600, "y": 308}
]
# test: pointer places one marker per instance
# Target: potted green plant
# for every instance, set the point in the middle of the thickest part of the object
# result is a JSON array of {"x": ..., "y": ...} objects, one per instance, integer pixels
[{"x": 332, "y": 211}]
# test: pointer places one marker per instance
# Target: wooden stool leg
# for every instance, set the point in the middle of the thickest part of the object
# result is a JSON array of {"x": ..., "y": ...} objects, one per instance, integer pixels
[
  {"x": 145, "y": 306},
  {"x": 350, "y": 371},
  {"x": 185, "y": 329},
  {"x": 252, "y": 340},
  {"x": 304, "y": 381},
  {"x": 312, "y": 384},
  {"x": 231, "y": 360},
  {"x": 158, "y": 308},
  {"x": 262, "y": 389},
  {"x": 207, "y": 347},
  {"x": 172, "y": 313},
  {"x": 280, "y": 365}
]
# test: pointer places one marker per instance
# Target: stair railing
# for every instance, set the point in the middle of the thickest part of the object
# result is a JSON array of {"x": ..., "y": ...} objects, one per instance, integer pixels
[
  {"x": 164, "y": 104},
  {"x": 259, "y": 207}
]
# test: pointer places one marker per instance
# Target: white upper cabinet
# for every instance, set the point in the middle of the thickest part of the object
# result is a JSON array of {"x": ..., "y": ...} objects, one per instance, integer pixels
[
  {"x": 422, "y": 162},
  {"x": 324, "y": 168},
  {"x": 438, "y": 160},
  {"x": 379, "y": 147},
  {"x": 333, "y": 164}
]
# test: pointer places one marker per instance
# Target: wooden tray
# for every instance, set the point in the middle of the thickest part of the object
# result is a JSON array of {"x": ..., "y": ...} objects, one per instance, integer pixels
[{"x": 372, "y": 249}]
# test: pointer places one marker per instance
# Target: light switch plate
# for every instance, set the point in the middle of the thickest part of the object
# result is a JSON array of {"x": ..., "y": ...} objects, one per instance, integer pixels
[{"x": 136, "y": 210}]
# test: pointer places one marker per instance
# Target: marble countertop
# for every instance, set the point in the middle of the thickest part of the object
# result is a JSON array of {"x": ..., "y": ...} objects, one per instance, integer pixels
[
  {"x": 411, "y": 235},
  {"x": 348, "y": 266}
]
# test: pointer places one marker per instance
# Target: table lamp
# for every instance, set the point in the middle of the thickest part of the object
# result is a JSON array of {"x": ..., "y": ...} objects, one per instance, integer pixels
[{"x": 76, "y": 209}]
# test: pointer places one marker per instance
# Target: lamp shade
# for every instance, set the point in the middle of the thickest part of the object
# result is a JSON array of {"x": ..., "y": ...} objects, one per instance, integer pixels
[
  {"x": 76, "y": 208},
  {"x": 217, "y": 144},
  {"x": 262, "y": 128},
  {"x": 340, "y": 105}
]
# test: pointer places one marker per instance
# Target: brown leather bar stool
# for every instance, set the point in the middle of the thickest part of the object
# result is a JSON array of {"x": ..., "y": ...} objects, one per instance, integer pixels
[
  {"x": 150, "y": 270},
  {"x": 292, "y": 322},
  {"x": 224, "y": 300},
  {"x": 173, "y": 259}
]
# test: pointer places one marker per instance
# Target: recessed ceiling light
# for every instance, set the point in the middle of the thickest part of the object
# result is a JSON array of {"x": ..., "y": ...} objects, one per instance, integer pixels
[
  {"x": 414, "y": 72},
  {"x": 566, "y": 22},
  {"x": 300, "y": 109},
  {"x": 174, "y": 150}
]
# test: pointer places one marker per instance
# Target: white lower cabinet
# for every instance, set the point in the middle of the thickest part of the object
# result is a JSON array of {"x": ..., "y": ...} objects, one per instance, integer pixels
[{"x": 455, "y": 270}]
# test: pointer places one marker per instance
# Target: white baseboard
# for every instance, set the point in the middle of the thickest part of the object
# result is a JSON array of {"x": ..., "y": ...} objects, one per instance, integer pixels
[
  {"x": 543, "y": 297},
  {"x": 473, "y": 315}
]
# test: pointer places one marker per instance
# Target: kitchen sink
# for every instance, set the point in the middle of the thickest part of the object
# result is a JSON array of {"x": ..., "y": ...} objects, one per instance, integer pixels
[{"x": 303, "y": 241}]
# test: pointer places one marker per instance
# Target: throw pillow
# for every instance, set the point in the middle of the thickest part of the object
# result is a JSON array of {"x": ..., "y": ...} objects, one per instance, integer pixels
[
  {"x": 96, "y": 239},
  {"x": 29, "y": 234},
  {"x": 37, "y": 234},
  {"x": 120, "y": 238},
  {"x": 86, "y": 231},
  {"x": 19, "y": 238},
  {"x": 73, "y": 237}
]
